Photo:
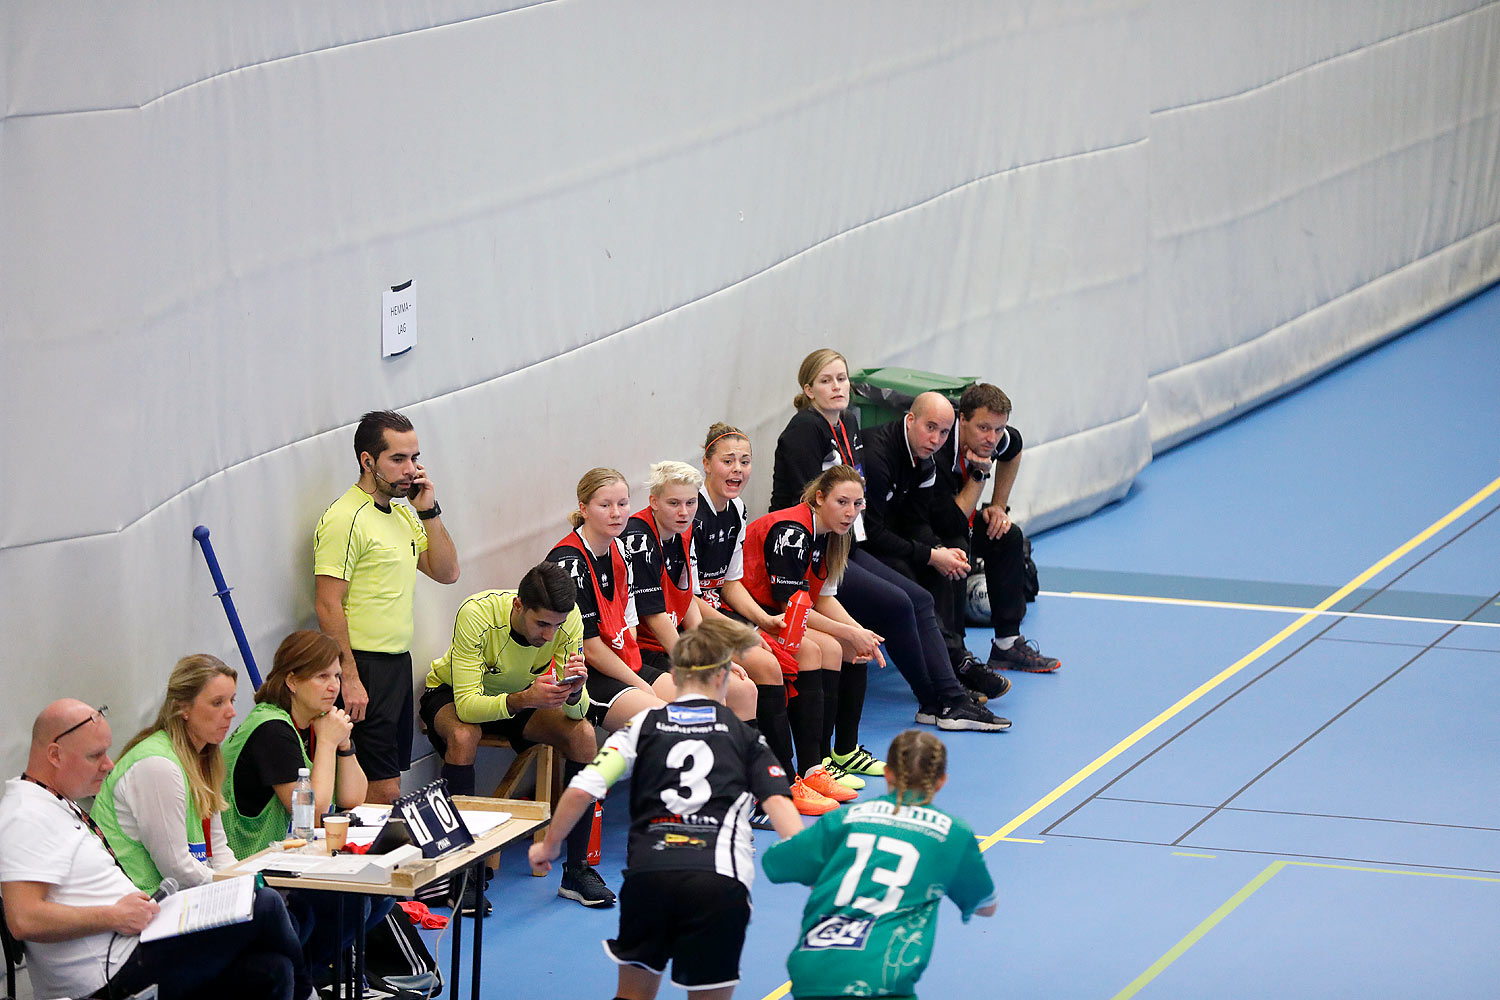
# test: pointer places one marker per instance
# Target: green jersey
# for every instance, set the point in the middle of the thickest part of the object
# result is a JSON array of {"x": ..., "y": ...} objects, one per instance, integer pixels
[{"x": 877, "y": 873}]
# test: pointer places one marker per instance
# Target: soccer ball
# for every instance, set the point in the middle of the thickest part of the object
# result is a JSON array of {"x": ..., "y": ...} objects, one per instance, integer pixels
[{"x": 978, "y": 594}]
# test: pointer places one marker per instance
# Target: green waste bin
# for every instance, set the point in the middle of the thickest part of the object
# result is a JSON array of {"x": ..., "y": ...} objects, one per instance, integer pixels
[{"x": 883, "y": 394}]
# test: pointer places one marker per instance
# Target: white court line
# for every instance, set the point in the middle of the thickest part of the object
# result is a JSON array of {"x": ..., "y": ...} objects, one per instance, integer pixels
[{"x": 1188, "y": 602}]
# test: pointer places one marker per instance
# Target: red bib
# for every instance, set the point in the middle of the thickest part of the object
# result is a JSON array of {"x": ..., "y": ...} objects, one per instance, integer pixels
[
  {"x": 677, "y": 599},
  {"x": 612, "y": 627},
  {"x": 756, "y": 580}
]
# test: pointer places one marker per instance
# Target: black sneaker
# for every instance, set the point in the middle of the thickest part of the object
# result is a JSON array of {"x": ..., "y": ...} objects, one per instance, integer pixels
[
  {"x": 965, "y": 715},
  {"x": 760, "y": 821},
  {"x": 581, "y": 882},
  {"x": 980, "y": 679},
  {"x": 1022, "y": 654},
  {"x": 927, "y": 715},
  {"x": 474, "y": 900}
]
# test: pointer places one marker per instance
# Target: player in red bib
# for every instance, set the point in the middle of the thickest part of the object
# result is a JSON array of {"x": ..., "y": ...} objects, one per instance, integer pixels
[
  {"x": 658, "y": 544},
  {"x": 619, "y": 684},
  {"x": 806, "y": 548}
]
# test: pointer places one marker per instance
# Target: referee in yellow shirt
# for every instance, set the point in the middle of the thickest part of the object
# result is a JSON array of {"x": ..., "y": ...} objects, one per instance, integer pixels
[{"x": 366, "y": 553}]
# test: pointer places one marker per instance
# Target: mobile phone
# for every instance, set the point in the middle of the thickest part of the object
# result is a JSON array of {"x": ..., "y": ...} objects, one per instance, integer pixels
[
  {"x": 559, "y": 670},
  {"x": 413, "y": 491}
]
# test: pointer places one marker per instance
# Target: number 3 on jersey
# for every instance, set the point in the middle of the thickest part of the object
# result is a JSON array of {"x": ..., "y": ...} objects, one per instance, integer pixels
[
  {"x": 895, "y": 879},
  {"x": 696, "y": 759}
]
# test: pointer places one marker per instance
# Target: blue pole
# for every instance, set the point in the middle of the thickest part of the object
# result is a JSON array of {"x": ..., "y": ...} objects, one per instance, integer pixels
[{"x": 222, "y": 593}]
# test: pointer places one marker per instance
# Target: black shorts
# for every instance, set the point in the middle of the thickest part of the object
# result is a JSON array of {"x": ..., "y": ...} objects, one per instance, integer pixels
[
  {"x": 697, "y": 919},
  {"x": 511, "y": 729},
  {"x": 382, "y": 739},
  {"x": 604, "y": 689}
]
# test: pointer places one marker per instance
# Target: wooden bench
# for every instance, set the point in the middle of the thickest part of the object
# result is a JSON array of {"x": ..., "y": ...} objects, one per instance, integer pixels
[{"x": 549, "y": 778}]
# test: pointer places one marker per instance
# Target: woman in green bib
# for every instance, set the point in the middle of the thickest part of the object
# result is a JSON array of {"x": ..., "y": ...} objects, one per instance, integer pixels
[
  {"x": 160, "y": 807},
  {"x": 296, "y": 723}
]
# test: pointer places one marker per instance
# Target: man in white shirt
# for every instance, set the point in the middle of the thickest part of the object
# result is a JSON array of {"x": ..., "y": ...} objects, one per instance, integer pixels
[{"x": 79, "y": 914}]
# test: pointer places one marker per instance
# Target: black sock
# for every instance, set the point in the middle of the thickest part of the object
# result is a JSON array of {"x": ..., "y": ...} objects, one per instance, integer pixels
[
  {"x": 770, "y": 714},
  {"x": 851, "y": 706},
  {"x": 805, "y": 712},
  {"x": 830, "y": 711},
  {"x": 460, "y": 778},
  {"x": 578, "y": 837}
]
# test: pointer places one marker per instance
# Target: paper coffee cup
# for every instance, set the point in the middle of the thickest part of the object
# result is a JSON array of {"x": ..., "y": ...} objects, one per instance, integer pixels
[{"x": 336, "y": 831}]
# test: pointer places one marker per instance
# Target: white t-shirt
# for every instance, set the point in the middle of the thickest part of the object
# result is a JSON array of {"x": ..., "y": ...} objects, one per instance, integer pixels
[
  {"x": 151, "y": 807},
  {"x": 43, "y": 840}
]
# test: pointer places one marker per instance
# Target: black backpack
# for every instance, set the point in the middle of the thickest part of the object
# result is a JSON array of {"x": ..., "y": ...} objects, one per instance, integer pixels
[{"x": 397, "y": 958}]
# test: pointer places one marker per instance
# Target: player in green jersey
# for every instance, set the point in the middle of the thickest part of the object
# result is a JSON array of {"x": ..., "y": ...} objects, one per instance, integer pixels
[{"x": 878, "y": 871}]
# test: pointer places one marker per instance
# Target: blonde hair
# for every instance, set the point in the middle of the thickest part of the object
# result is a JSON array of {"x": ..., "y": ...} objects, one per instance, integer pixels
[
  {"x": 838, "y": 546},
  {"x": 710, "y": 646},
  {"x": 204, "y": 768},
  {"x": 592, "y": 482},
  {"x": 721, "y": 430},
  {"x": 914, "y": 765},
  {"x": 664, "y": 474},
  {"x": 811, "y": 365}
]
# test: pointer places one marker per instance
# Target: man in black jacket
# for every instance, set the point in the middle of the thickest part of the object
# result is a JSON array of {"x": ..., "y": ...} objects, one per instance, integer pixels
[
  {"x": 984, "y": 446},
  {"x": 923, "y": 519}
]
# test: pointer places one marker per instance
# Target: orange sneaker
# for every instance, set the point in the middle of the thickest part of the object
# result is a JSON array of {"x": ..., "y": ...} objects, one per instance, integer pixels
[
  {"x": 809, "y": 802},
  {"x": 820, "y": 781}
]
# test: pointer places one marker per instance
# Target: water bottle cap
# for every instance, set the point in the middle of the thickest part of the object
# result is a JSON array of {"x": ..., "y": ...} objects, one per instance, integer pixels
[{"x": 303, "y": 772}]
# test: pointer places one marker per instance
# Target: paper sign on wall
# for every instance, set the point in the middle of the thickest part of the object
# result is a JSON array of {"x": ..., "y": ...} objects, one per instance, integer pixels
[{"x": 398, "y": 314}]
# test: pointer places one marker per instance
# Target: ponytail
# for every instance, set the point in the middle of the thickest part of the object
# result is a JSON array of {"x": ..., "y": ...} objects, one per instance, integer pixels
[{"x": 914, "y": 766}]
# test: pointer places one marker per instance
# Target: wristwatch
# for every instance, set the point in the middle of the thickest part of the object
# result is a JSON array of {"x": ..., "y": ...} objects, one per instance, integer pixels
[
  {"x": 430, "y": 512},
  {"x": 977, "y": 474}
]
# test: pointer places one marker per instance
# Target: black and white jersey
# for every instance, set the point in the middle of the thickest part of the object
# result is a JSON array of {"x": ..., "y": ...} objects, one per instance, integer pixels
[
  {"x": 696, "y": 773},
  {"x": 718, "y": 546}
]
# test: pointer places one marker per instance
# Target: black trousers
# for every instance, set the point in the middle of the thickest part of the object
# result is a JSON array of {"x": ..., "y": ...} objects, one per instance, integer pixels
[
  {"x": 259, "y": 960},
  {"x": 1004, "y": 579}
]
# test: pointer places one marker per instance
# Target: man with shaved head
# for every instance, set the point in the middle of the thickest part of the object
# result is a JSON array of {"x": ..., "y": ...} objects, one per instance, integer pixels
[
  {"x": 900, "y": 476},
  {"x": 79, "y": 914}
]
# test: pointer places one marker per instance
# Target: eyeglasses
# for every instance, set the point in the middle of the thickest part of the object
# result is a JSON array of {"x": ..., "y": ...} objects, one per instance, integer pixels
[{"x": 99, "y": 713}]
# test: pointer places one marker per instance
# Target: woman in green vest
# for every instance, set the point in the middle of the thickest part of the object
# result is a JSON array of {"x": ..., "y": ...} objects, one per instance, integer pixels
[
  {"x": 160, "y": 807},
  {"x": 296, "y": 723}
]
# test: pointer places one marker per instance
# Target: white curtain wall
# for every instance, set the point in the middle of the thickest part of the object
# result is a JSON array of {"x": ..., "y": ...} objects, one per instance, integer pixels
[{"x": 626, "y": 221}]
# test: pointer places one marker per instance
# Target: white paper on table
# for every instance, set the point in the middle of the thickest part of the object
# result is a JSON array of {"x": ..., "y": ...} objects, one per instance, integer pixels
[
  {"x": 289, "y": 861},
  {"x": 480, "y": 821},
  {"x": 370, "y": 816}
]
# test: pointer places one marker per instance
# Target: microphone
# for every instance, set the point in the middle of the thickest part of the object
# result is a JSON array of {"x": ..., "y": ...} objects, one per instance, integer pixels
[{"x": 167, "y": 887}]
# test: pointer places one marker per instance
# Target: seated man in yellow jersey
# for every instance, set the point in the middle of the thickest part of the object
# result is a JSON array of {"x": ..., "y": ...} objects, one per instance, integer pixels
[
  {"x": 366, "y": 554},
  {"x": 515, "y": 669}
]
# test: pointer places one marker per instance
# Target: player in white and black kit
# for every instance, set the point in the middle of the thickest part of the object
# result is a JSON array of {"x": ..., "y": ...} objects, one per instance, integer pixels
[
  {"x": 718, "y": 557},
  {"x": 697, "y": 774}
]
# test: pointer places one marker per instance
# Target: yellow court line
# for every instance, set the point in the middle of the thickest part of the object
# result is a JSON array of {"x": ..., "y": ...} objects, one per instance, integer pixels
[
  {"x": 1003, "y": 834},
  {"x": 1193, "y": 602},
  {"x": 1188, "y": 854},
  {"x": 1238, "y": 665},
  {"x": 1249, "y": 889},
  {"x": 1157, "y": 967}
]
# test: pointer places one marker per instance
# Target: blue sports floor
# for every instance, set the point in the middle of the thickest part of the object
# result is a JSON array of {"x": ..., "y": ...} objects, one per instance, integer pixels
[{"x": 1220, "y": 794}]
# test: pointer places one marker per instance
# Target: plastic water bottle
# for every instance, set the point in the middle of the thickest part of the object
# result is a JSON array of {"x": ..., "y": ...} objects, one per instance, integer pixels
[
  {"x": 302, "y": 805},
  {"x": 794, "y": 623}
]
